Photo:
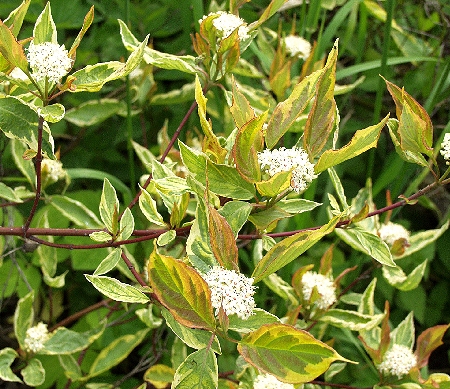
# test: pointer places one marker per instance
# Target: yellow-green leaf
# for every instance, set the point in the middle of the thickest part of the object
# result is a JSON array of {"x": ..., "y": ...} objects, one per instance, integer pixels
[
  {"x": 11, "y": 49},
  {"x": 291, "y": 354},
  {"x": 361, "y": 141},
  {"x": 290, "y": 248},
  {"x": 181, "y": 290}
]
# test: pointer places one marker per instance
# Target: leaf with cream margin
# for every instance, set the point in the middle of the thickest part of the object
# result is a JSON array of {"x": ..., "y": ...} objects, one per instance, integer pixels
[
  {"x": 361, "y": 141},
  {"x": 290, "y": 354}
]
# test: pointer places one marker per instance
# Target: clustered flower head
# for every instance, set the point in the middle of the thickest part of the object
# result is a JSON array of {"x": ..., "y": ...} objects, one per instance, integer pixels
[
  {"x": 283, "y": 160},
  {"x": 232, "y": 291},
  {"x": 226, "y": 23},
  {"x": 48, "y": 60},
  {"x": 297, "y": 46},
  {"x": 35, "y": 337},
  {"x": 324, "y": 286},
  {"x": 445, "y": 151},
  {"x": 52, "y": 171},
  {"x": 398, "y": 361},
  {"x": 268, "y": 381},
  {"x": 392, "y": 232}
]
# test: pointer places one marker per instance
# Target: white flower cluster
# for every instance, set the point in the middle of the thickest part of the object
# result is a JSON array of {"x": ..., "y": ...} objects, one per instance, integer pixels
[
  {"x": 283, "y": 160},
  {"x": 398, "y": 361},
  {"x": 232, "y": 291},
  {"x": 391, "y": 232},
  {"x": 48, "y": 60},
  {"x": 35, "y": 337},
  {"x": 268, "y": 381},
  {"x": 445, "y": 151},
  {"x": 52, "y": 171},
  {"x": 226, "y": 23},
  {"x": 296, "y": 46},
  {"x": 325, "y": 288}
]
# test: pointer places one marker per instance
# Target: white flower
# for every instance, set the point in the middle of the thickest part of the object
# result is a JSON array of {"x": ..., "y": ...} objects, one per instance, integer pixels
[
  {"x": 296, "y": 46},
  {"x": 446, "y": 148},
  {"x": 324, "y": 286},
  {"x": 392, "y": 232},
  {"x": 226, "y": 23},
  {"x": 232, "y": 291},
  {"x": 399, "y": 360},
  {"x": 268, "y": 381},
  {"x": 48, "y": 60},
  {"x": 52, "y": 171},
  {"x": 35, "y": 337},
  {"x": 282, "y": 160}
]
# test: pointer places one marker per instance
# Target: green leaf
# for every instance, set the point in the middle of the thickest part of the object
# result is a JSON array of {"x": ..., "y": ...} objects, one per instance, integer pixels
[
  {"x": 321, "y": 118},
  {"x": 88, "y": 19},
  {"x": 147, "y": 317},
  {"x": 116, "y": 352},
  {"x": 290, "y": 248},
  {"x": 45, "y": 28},
  {"x": 184, "y": 63},
  {"x": 148, "y": 208},
  {"x": 354, "y": 321},
  {"x": 193, "y": 337},
  {"x": 7, "y": 356},
  {"x": 109, "y": 262},
  {"x": 296, "y": 206},
  {"x": 25, "y": 166},
  {"x": 198, "y": 371},
  {"x": 15, "y": 18},
  {"x": 361, "y": 141},
  {"x": 367, "y": 243},
  {"x": 93, "y": 77},
  {"x": 366, "y": 305},
  {"x": 276, "y": 184},
  {"x": 160, "y": 376},
  {"x": 222, "y": 240},
  {"x": 109, "y": 207},
  {"x": 415, "y": 129},
  {"x": 404, "y": 333},
  {"x": 249, "y": 141},
  {"x": 76, "y": 212},
  {"x": 52, "y": 113},
  {"x": 236, "y": 213},
  {"x": 117, "y": 290},
  {"x": 19, "y": 121},
  {"x": 126, "y": 226},
  {"x": 12, "y": 50},
  {"x": 23, "y": 318},
  {"x": 94, "y": 112},
  {"x": 419, "y": 240},
  {"x": 166, "y": 238},
  {"x": 65, "y": 341},
  {"x": 286, "y": 352},
  {"x": 263, "y": 219},
  {"x": 100, "y": 236},
  {"x": 258, "y": 318},
  {"x": 398, "y": 279},
  {"x": 182, "y": 291},
  {"x": 241, "y": 109},
  {"x": 34, "y": 373},
  {"x": 268, "y": 12},
  {"x": 286, "y": 112},
  {"x": 71, "y": 368},
  {"x": 145, "y": 156},
  {"x": 223, "y": 180},
  {"x": 8, "y": 193}
]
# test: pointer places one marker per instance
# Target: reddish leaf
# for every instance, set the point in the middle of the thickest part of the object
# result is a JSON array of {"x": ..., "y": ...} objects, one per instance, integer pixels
[{"x": 428, "y": 341}]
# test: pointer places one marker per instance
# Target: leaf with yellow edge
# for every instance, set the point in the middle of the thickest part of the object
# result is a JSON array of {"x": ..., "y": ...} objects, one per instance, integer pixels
[
  {"x": 11, "y": 49},
  {"x": 415, "y": 129},
  {"x": 181, "y": 290},
  {"x": 321, "y": 118},
  {"x": 290, "y": 248},
  {"x": 361, "y": 141},
  {"x": 240, "y": 108},
  {"x": 249, "y": 141},
  {"x": 211, "y": 145},
  {"x": 290, "y": 354},
  {"x": 276, "y": 184},
  {"x": 88, "y": 19}
]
